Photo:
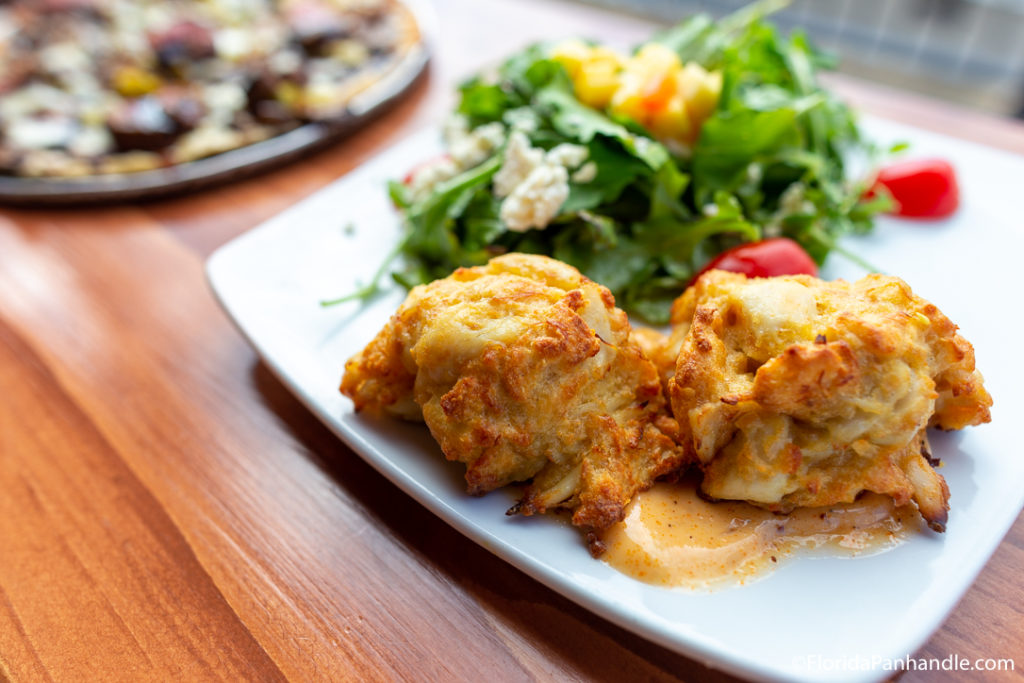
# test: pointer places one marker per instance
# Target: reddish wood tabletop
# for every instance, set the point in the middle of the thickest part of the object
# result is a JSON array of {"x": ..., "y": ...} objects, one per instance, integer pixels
[{"x": 171, "y": 512}]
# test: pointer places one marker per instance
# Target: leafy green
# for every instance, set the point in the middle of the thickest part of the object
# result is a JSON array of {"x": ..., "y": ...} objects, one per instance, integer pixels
[
  {"x": 616, "y": 170},
  {"x": 770, "y": 160}
]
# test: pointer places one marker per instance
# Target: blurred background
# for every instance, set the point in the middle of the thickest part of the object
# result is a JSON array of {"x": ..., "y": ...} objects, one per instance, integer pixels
[{"x": 967, "y": 51}]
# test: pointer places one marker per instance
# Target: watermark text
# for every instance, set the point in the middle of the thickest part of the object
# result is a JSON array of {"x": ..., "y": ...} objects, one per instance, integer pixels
[{"x": 953, "y": 662}]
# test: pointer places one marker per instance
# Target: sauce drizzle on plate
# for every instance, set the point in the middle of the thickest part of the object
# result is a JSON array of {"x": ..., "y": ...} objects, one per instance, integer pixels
[{"x": 671, "y": 537}]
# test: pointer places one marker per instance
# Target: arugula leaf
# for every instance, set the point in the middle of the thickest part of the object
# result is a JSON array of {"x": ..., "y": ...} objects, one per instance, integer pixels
[
  {"x": 617, "y": 169},
  {"x": 667, "y": 197},
  {"x": 578, "y": 122},
  {"x": 615, "y": 268},
  {"x": 481, "y": 224},
  {"x": 730, "y": 141},
  {"x": 702, "y": 40}
]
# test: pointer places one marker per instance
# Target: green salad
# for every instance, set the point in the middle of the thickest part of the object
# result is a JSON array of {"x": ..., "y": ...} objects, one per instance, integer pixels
[{"x": 639, "y": 168}]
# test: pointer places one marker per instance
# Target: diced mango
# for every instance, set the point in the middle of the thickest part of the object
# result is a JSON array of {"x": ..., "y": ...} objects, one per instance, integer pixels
[
  {"x": 594, "y": 71},
  {"x": 652, "y": 87},
  {"x": 654, "y": 58},
  {"x": 571, "y": 54},
  {"x": 648, "y": 88},
  {"x": 701, "y": 90},
  {"x": 628, "y": 103},
  {"x": 598, "y": 78},
  {"x": 657, "y": 89},
  {"x": 672, "y": 122}
]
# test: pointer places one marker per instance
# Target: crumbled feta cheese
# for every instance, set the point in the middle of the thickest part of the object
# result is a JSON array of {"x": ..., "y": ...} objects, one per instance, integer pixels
[
  {"x": 520, "y": 160},
  {"x": 454, "y": 127},
  {"x": 586, "y": 173},
  {"x": 534, "y": 184},
  {"x": 566, "y": 155},
  {"x": 469, "y": 148},
  {"x": 537, "y": 199},
  {"x": 793, "y": 200},
  {"x": 427, "y": 177},
  {"x": 521, "y": 118}
]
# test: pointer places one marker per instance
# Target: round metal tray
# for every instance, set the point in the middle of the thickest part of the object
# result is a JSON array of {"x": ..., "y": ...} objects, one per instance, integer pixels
[{"x": 236, "y": 163}]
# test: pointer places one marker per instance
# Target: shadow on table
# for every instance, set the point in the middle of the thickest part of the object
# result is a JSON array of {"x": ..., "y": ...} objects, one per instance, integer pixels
[{"x": 584, "y": 643}]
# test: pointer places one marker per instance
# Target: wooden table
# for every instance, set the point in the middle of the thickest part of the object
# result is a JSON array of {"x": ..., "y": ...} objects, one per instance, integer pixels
[{"x": 171, "y": 512}]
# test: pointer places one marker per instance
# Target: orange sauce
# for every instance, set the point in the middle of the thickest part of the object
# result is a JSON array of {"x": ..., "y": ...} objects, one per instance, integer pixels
[{"x": 672, "y": 537}]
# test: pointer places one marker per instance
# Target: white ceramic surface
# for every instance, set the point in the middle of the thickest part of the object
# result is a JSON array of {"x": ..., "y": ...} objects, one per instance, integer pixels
[{"x": 813, "y": 619}]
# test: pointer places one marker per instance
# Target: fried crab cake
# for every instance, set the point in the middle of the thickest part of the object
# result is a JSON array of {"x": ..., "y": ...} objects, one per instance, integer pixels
[
  {"x": 523, "y": 369},
  {"x": 792, "y": 392}
]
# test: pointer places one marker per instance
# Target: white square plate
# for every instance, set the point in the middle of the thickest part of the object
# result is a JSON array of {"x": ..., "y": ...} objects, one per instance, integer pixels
[{"x": 813, "y": 619}]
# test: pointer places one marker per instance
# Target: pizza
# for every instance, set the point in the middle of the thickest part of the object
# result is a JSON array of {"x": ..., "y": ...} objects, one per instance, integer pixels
[{"x": 93, "y": 87}]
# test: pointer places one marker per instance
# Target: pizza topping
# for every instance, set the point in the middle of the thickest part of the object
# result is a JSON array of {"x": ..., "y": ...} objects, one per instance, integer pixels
[
  {"x": 142, "y": 124},
  {"x": 41, "y": 132},
  {"x": 182, "y": 42},
  {"x": 125, "y": 85}
]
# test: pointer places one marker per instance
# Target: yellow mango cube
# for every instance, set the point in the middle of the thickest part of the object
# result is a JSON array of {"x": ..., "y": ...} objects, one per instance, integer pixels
[
  {"x": 598, "y": 78},
  {"x": 649, "y": 89},
  {"x": 654, "y": 58},
  {"x": 648, "y": 83},
  {"x": 701, "y": 90},
  {"x": 672, "y": 122},
  {"x": 571, "y": 54},
  {"x": 627, "y": 102},
  {"x": 594, "y": 71},
  {"x": 652, "y": 87}
]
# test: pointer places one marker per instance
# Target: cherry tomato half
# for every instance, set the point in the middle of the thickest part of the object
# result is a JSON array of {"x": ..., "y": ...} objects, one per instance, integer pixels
[
  {"x": 767, "y": 258},
  {"x": 922, "y": 188}
]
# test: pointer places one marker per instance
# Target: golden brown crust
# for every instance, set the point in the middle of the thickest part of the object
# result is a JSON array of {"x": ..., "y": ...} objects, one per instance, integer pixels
[
  {"x": 524, "y": 369},
  {"x": 795, "y": 392}
]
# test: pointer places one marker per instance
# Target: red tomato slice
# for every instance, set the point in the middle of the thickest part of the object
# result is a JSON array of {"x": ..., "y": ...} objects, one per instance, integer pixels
[
  {"x": 922, "y": 188},
  {"x": 767, "y": 258}
]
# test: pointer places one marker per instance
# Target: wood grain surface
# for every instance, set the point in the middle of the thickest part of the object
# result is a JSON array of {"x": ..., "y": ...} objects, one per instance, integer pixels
[{"x": 171, "y": 512}]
